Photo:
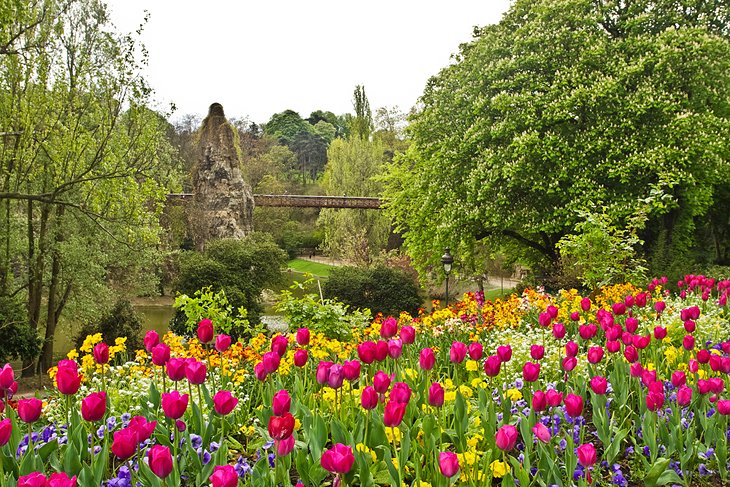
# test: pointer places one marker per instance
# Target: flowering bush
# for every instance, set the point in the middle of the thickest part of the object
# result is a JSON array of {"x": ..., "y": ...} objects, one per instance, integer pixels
[{"x": 629, "y": 386}]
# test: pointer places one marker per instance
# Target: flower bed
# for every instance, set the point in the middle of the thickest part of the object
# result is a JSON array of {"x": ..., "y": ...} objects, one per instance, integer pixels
[{"x": 627, "y": 387}]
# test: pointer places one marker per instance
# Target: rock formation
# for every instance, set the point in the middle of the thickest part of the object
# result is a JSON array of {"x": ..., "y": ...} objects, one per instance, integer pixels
[{"x": 223, "y": 205}]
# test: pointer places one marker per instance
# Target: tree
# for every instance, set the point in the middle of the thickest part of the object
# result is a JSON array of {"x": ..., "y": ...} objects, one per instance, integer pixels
[
  {"x": 85, "y": 164},
  {"x": 286, "y": 126},
  {"x": 362, "y": 124},
  {"x": 565, "y": 106}
]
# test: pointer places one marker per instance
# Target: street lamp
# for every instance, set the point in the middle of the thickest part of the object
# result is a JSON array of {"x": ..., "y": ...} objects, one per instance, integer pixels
[{"x": 447, "y": 259}]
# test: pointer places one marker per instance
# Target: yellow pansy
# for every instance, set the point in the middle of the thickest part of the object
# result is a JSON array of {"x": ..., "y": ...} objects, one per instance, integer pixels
[
  {"x": 514, "y": 394},
  {"x": 472, "y": 365},
  {"x": 499, "y": 469},
  {"x": 363, "y": 448},
  {"x": 393, "y": 434}
]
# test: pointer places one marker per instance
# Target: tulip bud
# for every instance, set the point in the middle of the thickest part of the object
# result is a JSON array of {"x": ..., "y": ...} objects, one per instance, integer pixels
[
  {"x": 369, "y": 398},
  {"x": 303, "y": 337},
  {"x": 436, "y": 395},
  {"x": 300, "y": 357},
  {"x": 448, "y": 464},
  {"x": 160, "y": 460},
  {"x": 427, "y": 359},
  {"x": 101, "y": 353},
  {"x": 205, "y": 330}
]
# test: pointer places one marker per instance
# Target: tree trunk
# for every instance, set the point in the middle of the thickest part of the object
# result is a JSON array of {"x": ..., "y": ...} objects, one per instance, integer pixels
[
  {"x": 56, "y": 302},
  {"x": 36, "y": 266}
]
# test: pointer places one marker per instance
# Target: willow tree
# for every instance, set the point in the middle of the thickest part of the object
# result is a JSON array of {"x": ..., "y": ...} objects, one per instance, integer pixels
[
  {"x": 84, "y": 161},
  {"x": 567, "y": 107}
]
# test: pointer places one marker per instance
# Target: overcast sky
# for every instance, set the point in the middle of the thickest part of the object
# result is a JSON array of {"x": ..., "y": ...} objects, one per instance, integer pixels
[{"x": 259, "y": 58}]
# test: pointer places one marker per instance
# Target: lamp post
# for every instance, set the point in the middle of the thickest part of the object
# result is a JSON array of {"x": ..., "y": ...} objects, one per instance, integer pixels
[{"x": 447, "y": 259}]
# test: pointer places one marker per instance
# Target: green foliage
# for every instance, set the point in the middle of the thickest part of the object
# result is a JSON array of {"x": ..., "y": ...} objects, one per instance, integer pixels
[
  {"x": 603, "y": 254},
  {"x": 241, "y": 268},
  {"x": 286, "y": 125},
  {"x": 362, "y": 123},
  {"x": 563, "y": 106},
  {"x": 380, "y": 289},
  {"x": 326, "y": 316},
  {"x": 121, "y": 321},
  {"x": 214, "y": 306},
  {"x": 19, "y": 341}
]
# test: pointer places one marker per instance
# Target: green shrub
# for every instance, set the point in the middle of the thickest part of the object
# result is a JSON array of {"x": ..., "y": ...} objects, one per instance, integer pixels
[
  {"x": 329, "y": 317},
  {"x": 380, "y": 289},
  {"x": 241, "y": 268},
  {"x": 19, "y": 340},
  {"x": 121, "y": 321}
]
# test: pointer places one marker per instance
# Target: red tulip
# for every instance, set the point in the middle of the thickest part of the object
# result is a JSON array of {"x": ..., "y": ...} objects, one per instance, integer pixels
[
  {"x": 174, "y": 404},
  {"x": 544, "y": 319},
  {"x": 690, "y": 326},
  {"x": 448, "y": 463},
  {"x": 654, "y": 400},
  {"x": 338, "y": 459},
  {"x": 29, "y": 410},
  {"x": 381, "y": 382},
  {"x": 599, "y": 385},
  {"x": 632, "y": 324},
  {"x": 6, "y": 429},
  {"x": 585, "y": 304},
  {"x": 436, "y": 395},
  {"x": 281, "y": 427},
  {"x": 541, "y": 432},
  {"x": 285, "y": 447},
  {"x": 457, "y": 354},
  {"x": 302, "y": 337},
  {"x": 381, "y": 350},
  {"x": 539, "y": 401},
  {"x": 631, "y": 354},
  {"x": 281, "y": 402},
  {"x": 492, "y": 366},
  {"x": 195, "y": 372},
  {"x": 101, "y": 353},
  {"x": 125, "y": 443},
  {"x": 300, "y": 357},
  {"x": 222, "y": 342},
  {"x": 61, "y": 480},
  {"x": 559, "y": 331},
  {"x": 224, "y": 476},
  {"x": 679, "y": 378},
  {"x": 395, "y": 348},
  {"x": 175, "y": 368},
  {"x": 684, "y": 396},
  {"x": 369, "y": 398},
  {"x": 393, "y": 414},
  {"x": 659, "y": 306},
  {"x": 205, "y": 330},
  {"x": 279, "y": 344},
  {"x": 408, "y": 334},
  {"x": 595, "y": 354},
  {"x": 636, "y": 370},
  {"x": 271, "y": 361},
  {"x": 554, "y": 398},
  {"x": 68, "y": 380},
  {"x": 475, "y": 350},
  {"x": 586, "y": 454},
  {"x": 160, "y": 354},
  {"x": 573, "y": 405},
  {"x": 613, "y": 346},
  {"x": 93, "y": 406},
  {"x": 574, "y": 316},
  {"x": 587, "y": 332},
  {"x": 400, "y": 392},
  {"x": 151, "y": 339},
  {"x": 530, "y": 371},
  {"x": 571, "y": 349},
  {"x": 427, "y": 359},
  {"x": 224, "y": 402},
  {"x": 504, "y": 353},
  {"x": 141, "y": 427},
  {"x": 389, "y": 328},
  {"x": 506, "y": 437},
  {"x": 35, "y": 479},
  {"x": 160, "y": 460},
  {"x": 366, "y": 352},
  {"x": 537, "y": 352},
  {"x": 688, "y": 342}
]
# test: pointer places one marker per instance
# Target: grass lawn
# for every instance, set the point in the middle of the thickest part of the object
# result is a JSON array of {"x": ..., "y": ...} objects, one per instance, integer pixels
[{"x": 301, "y": 265}]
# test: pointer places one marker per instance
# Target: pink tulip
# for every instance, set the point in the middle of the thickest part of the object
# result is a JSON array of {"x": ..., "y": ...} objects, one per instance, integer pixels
[
  {"x": 195, "y": 372},
  {"x": 559, "y": 331},
  {"x": 475, "y": 350},
  {"x": 389, "y": 328},
  {"x": 641, "y": 342},
  {"x": 142, "y": 428},
  {"x": 569, "y": 363},
  {"x": 688, "y": 342},
  {"x": 303, "y": 337},
  {"x": 492, "y": 366},
  {"x": 93, "y": 406},
  {"x": 393, "y": 414},
  {"x": 690, "y": 326},
  {"x": 554, "y": 398},
  {"x": 395, "y": 348},
  {"x": 659, "y": 306},
  {"x": 679, "y": 378},
  {"x": 160, "y": 354},
  {"x": 6, "y": 429},
  {"x": 684, "y": 396},
  {"x": 351, "y": 369},
  {"x": 586, "y": 454},
  {"x": 552, "y": 311},
  {"x": 539, "y": 401},
  {"x": 457, "y": 354},
  {"x": 259, "y": 371},
  {"x": 613, "y": 346},
  {"x": 631, "y": 354},
  {"x": 381, "y": 350},
  {"x": 300, "y": 357},
  {"x": 160, "y": 460},
  {"x": 281, "y": 403},
  {"x": 571, "y": 349},
  {"x": 285, "y": 446},
  {"x": 35, "y": 479},
  {"x": 632, "y": 324},
  {"x": 574, "y": 316},
  {"x": 101, "y": 353},
  {"x": 595, "y": 354},
  {"x": 224, "y": 476},
  {"x": 60, "y": 479},
  {"x": 336, "y": 376},
  {"x": 400, "y": 392},
  {"x": 436, "y": 395},
  {"x": 585, "y": 304},
  {"x": 339, "y": 459},
  {"x": 151, "y": 339},
  {"x": 222, "y": 342},
  {"x": 323, "y": 371},
  {"x": 599, "y": 385},
  {"x": 279, "y": 343},
  {"x": 68, "y": 380},
  {"x": 369, "y": 398},
  {"x": 174, "y": 404},
  {"x": 271, "y": 361},
  {"x": 573, "y": 405},
  {"x": 629, "y": 301},
  {"x": 636, "y": 369},
  {"x": 530, "y": 371},
  {"x": 205, "y": 330},
  {"x": 654, "y": 400},
  {"x": 541, "y": 432},
  {"x": 29, "y": 410},
  {"x": 381, "y": 382},
  {"x": 587, "y": 332},
  {"x": 125, "y": 443},
  {"x": 506, "y": 437},
  {"x": 175, "y": 368},
  {"x": 504, "y": 353},
  {"x": 366, "y": 352},
  {"x": 544, "y": 319},
  {"x": 537, "y": 352},
  {"x": 618, "y": 309},
  {"x": 427, "y": 359},
  {"x": 408, "y": 334},
  {"x": 448, "y": 464}
]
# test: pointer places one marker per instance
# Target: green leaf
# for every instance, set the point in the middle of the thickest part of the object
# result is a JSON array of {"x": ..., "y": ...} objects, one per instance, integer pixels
[{"x": 656, "y": 471}]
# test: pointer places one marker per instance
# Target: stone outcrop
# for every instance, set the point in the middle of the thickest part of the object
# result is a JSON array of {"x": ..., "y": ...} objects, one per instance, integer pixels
[{"x": 223, "y": 202}]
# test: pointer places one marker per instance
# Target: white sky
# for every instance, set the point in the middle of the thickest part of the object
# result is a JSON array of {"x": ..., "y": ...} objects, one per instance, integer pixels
[{"x": 259, "y": 58}]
